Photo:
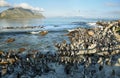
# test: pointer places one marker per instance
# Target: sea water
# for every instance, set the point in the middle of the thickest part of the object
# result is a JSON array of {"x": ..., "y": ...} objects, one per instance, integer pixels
[
  {"x": 56, "y": 27},
  {"x": 50, "y": 24}
]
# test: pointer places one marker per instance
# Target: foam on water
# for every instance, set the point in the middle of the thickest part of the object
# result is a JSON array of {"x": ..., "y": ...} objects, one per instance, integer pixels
[{"x": 93, "y": 24}]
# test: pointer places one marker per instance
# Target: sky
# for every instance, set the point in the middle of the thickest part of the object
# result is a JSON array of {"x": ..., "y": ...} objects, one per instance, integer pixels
[{"x": 84, "y": 8}]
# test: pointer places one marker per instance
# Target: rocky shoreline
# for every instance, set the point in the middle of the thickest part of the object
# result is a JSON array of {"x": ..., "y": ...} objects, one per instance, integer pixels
[
  {"x": 96, "y": 47},
  {"x": 91, "y": 53}
]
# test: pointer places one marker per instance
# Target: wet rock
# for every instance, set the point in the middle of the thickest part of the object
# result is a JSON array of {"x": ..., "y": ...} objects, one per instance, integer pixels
[
  {"x": 21, "y": 50},
  {"x": 43, "y": 33},
  {"x": 9, "y": 27},
  {"x": 10, "y": 40},
  {"x": 119, "y": 60},
  {"x": 56, "y": 25},
  {"x": 3, "y": 63},
  {"x": 4, "y": 71},
  {"x": 118, "y": 30},
  {"x": 11, "y": 60}
]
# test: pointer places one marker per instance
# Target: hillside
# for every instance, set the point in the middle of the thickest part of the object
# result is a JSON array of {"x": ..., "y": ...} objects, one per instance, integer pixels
[{"x": 20, "y": 13}]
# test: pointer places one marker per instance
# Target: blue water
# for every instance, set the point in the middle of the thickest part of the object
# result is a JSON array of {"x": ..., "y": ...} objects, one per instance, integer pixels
[{"x": 54, "y": 24}]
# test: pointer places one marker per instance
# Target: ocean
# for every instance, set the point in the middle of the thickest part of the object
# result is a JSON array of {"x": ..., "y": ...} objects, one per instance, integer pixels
[
  {"x": 56, "y": 27},
  {"x": 50, "y": 24}
]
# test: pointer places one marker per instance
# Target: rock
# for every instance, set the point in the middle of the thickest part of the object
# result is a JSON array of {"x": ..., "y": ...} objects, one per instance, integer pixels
[
  {"x": 90, "y": 32},
  {"x": 3, "y": 63},
  {"x": 11, "y": 60},
  {"x": 43, "y": 33},
  {"x": 21, "y": 49},
  {"x": 56, "y": 25},
  {"x": 10, "y": 27},
  {"x": 10, "y": 40},
  {"x": 4, "y": 71},
  {"x": 99, "y": 23},
  {"x": 119, "y": 60},
  {"x": 118, "y": 22},
  {"x": 118, "y": 30},
  {"x": 116, "y": 34}
]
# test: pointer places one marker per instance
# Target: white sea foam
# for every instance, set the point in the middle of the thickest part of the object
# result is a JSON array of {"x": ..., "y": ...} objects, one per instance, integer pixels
[
  {"x": 37, "y": 32},
  {"x": 93, "y": 24}
]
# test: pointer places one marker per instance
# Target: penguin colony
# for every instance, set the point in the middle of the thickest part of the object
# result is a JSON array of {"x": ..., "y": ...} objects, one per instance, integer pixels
[{"x": 86, "y": 44}]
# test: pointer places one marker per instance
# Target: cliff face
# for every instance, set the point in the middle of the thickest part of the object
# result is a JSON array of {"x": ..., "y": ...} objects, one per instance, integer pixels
[{"x": 20, "y": 13}]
